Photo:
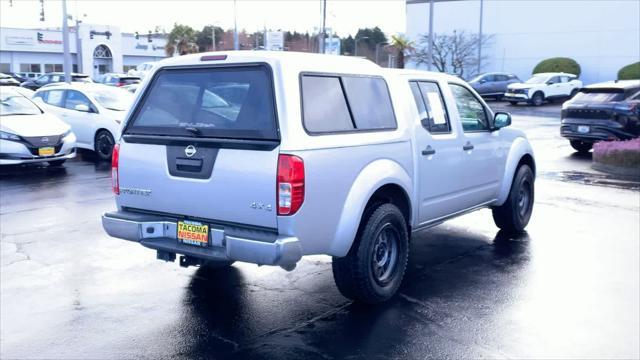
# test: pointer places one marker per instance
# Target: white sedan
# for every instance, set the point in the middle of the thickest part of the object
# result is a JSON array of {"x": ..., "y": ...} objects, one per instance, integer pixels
[
  {"x": 29, "y": 135},
  {"x": 94, "y": 111}
]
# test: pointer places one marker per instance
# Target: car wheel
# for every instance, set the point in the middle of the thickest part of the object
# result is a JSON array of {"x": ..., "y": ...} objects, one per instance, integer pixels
[
  {"x": 537, "y": 99},
  {"x": 514, "y": 103},
  {"x": 374, "y": 267},
  {"x": 56, "y": 162},
  {"x": 513, "y": 216},
  {"x": 103, "y": 144},
  {"x": 499, "y": 97},
  {"x": 581, "y": 146}
]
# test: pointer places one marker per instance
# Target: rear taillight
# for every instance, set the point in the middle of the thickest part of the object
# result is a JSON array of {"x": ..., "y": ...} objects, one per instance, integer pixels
[
  {"x": 118, "y": 84},
  {"x": 290, "y": 185},
  {"x": 115, "y": 183}
]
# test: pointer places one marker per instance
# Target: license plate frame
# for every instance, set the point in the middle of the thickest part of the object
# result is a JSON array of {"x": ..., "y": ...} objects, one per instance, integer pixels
[
  {"x": 193, "y": 233},
  {"x": 584, "y": 129},
  {"x": 46, "y": 151}
]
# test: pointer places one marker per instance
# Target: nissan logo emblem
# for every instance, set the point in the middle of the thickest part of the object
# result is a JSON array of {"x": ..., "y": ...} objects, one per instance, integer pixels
[
  {"x": 45, "y": 139},
  {"x": 190, "y": 150}
]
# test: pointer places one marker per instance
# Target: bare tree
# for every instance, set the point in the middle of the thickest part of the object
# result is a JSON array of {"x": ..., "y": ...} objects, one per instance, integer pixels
[{"x": 452, "y": 53}]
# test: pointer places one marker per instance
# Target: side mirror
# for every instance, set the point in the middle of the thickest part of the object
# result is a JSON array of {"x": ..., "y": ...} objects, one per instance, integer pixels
[
  {"x": 82, "y": 107},
  {"x": 550, "y": 82},
  {"x": 501, "y": 119},
  {"x": 482, "y": 81}
]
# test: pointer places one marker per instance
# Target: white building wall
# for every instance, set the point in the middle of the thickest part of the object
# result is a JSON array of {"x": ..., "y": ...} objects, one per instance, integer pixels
[{"x": 602, "y": 36}]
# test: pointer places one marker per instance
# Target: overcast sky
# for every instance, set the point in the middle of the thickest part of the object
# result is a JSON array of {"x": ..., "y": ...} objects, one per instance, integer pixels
[{"x": 344, "y": 16}]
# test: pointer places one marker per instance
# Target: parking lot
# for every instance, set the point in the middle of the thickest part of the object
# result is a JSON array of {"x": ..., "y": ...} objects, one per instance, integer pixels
[{"x": 569, "y": 288}]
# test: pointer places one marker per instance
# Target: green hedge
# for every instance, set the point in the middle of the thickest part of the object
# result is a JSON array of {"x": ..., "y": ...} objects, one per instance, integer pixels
[
  {"x": 630, "y": 72},
  {"x": 558, "y": 64}
]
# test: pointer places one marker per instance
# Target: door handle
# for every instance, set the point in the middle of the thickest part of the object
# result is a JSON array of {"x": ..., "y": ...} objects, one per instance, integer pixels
[
  {"x": 467, "y": 146},
  {"x": 428, "y": 151}
]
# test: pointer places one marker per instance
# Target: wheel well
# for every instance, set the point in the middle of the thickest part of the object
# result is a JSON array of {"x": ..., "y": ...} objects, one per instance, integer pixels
[
  {"x": 394, "y": 194},
  {"x": 538, "y": 91},
  {"x": 527, "y": 159},
  {"x": 95, "y": 136}
]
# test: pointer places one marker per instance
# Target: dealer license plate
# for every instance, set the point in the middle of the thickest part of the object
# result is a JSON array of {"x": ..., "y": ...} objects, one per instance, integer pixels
[
  {"x": 46, "y": 151},
  {"x": 583, "y": 129},
  {"x": 193, "y": 233}
]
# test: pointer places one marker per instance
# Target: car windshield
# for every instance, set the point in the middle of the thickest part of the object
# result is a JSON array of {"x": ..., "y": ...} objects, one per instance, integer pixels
[
  {"x": 113, "y": 99},
  {"x": 12, "y": 103},
  {"x": 537, "y": 80}
]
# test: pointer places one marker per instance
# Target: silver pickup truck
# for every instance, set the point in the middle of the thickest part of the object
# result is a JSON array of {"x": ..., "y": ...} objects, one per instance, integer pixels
[{"x": 265, "y": 157}]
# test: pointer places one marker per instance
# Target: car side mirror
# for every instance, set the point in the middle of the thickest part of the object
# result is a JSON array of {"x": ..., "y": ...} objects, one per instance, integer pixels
[
  {"x": 550, "y": 82},
  {"x": 82, "y": 107},
  {"x": 482, "y": 81},
  {"x": 501, "y": 119}
]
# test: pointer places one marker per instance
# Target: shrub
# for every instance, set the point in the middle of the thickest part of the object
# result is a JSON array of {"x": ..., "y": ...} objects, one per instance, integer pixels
[
  {"x": 558, "y": 64},
  {"x": 630, "y": 72},
  {"x": 618, "y": 153}
]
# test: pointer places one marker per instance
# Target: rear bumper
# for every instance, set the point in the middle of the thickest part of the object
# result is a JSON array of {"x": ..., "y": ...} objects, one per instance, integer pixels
[
  {"x": 596, "y": 132},
  {"x": 225, "y": 243}
]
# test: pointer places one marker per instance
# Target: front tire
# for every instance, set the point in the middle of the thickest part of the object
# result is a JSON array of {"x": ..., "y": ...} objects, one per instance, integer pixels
[
  {"x": 374, "y": 267},
  {"x": 514, "y": 215},
  {"x": 581, "y": 146},
  {"x": 103, "y": 145},
  {"x": 537, "y": 99}
]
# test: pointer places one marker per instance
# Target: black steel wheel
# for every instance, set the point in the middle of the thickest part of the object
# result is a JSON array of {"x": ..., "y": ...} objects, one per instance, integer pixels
[
  {"x": 374, "y": 267},
  {"x": 104, "y": 144}
]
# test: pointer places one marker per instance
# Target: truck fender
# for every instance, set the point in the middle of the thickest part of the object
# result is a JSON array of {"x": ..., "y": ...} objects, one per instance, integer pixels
[
  {"x": 372, "y": 177},
  {"x": 519, "y": 148}
]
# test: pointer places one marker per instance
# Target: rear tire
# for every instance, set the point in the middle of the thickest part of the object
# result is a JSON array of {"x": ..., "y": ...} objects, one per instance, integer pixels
[
  {"x": 374, "y": 267},
  {"x": 103, "y": 145},
  {"x": 581, "y": 146},
  {"x": 56, "y": 162},
  {"x": 514, "y": 215},
  {"x": 514, "y": 103}
]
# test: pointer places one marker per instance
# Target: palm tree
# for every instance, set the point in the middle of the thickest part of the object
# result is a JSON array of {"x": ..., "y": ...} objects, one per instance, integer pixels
[
  {"x": 403, "y": 46},
  {"x": 181, "y": 39}
]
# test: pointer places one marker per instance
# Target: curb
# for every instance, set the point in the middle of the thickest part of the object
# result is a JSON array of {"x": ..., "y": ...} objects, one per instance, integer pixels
[{"x": 625, "y": 172}]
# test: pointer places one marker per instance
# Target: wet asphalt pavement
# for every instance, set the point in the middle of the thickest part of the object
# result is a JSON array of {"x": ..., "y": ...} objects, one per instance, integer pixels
[{"x": 569, "y": 288}]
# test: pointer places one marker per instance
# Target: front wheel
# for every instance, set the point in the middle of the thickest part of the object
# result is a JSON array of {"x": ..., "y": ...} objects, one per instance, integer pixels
[
  {"x": 581, "y": 146},
  {"x": 513, "y": 216},
  {"x": 104, "y": 145},
  {"x": 374, "y": 267},
  {"x": 537, "y": 99}
]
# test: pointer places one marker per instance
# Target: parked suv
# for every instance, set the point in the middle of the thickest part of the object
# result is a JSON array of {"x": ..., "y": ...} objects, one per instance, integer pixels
[
  {"x": 543, "y": 87},
  {"x": 320, "y": 155},
  {"x": 493, "y": 85},
  {"x": 605, "y": 111}
]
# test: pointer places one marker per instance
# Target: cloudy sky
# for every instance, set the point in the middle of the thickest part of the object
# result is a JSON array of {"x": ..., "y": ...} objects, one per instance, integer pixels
[{"x": 344, "y": 16}]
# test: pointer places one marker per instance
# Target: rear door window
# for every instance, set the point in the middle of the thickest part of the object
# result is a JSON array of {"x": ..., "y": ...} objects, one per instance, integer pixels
[
  {"x": 233, "y": 102},
  {"x": 54, "y": 97},
  {"x": 433, "y": 114}
]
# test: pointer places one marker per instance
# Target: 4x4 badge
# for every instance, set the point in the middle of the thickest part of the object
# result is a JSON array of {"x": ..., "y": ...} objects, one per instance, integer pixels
[{"x": 190, "y": 150}]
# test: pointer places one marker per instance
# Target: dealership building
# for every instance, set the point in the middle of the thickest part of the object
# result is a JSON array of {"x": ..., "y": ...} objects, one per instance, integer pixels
[
  {"x": 601, "y": 35},
  {"x": 95, "y": 50}
]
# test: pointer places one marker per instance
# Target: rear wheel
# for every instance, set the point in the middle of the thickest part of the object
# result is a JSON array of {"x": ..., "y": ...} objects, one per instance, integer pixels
[
  {"x": 513, "y": 216},
  {"x": 56, "y": 162},
  {"x": 513, "y": 102},
  {"x": 374, "y": 267},
  {"x": 537, "y": 99},
  {"x": 581, "y": 146},
  {"x": 104, "y": 145}
]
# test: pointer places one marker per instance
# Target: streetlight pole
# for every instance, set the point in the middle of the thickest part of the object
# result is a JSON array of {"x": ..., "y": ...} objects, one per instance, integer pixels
[
  {"x": 378, "y": 49},
  {"x": 355, "y": 51},
  {"x": 65, "y": 43},
  {"x": 323, "y": 31},
  {"x": 213, "y": 38},
  {"x": 236, "y": 44},
  {"x": 430, "y": 45},
  {"x": 480, "y": 38}
]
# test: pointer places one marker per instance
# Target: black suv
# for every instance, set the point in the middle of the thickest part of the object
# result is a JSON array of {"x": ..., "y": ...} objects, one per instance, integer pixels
[
  {"x": 605, "y": 111},
  {"x": 54, "y": 77}
]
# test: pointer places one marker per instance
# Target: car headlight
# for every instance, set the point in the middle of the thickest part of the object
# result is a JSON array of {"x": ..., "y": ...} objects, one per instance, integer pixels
[{"x": 9, "y": 136}]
